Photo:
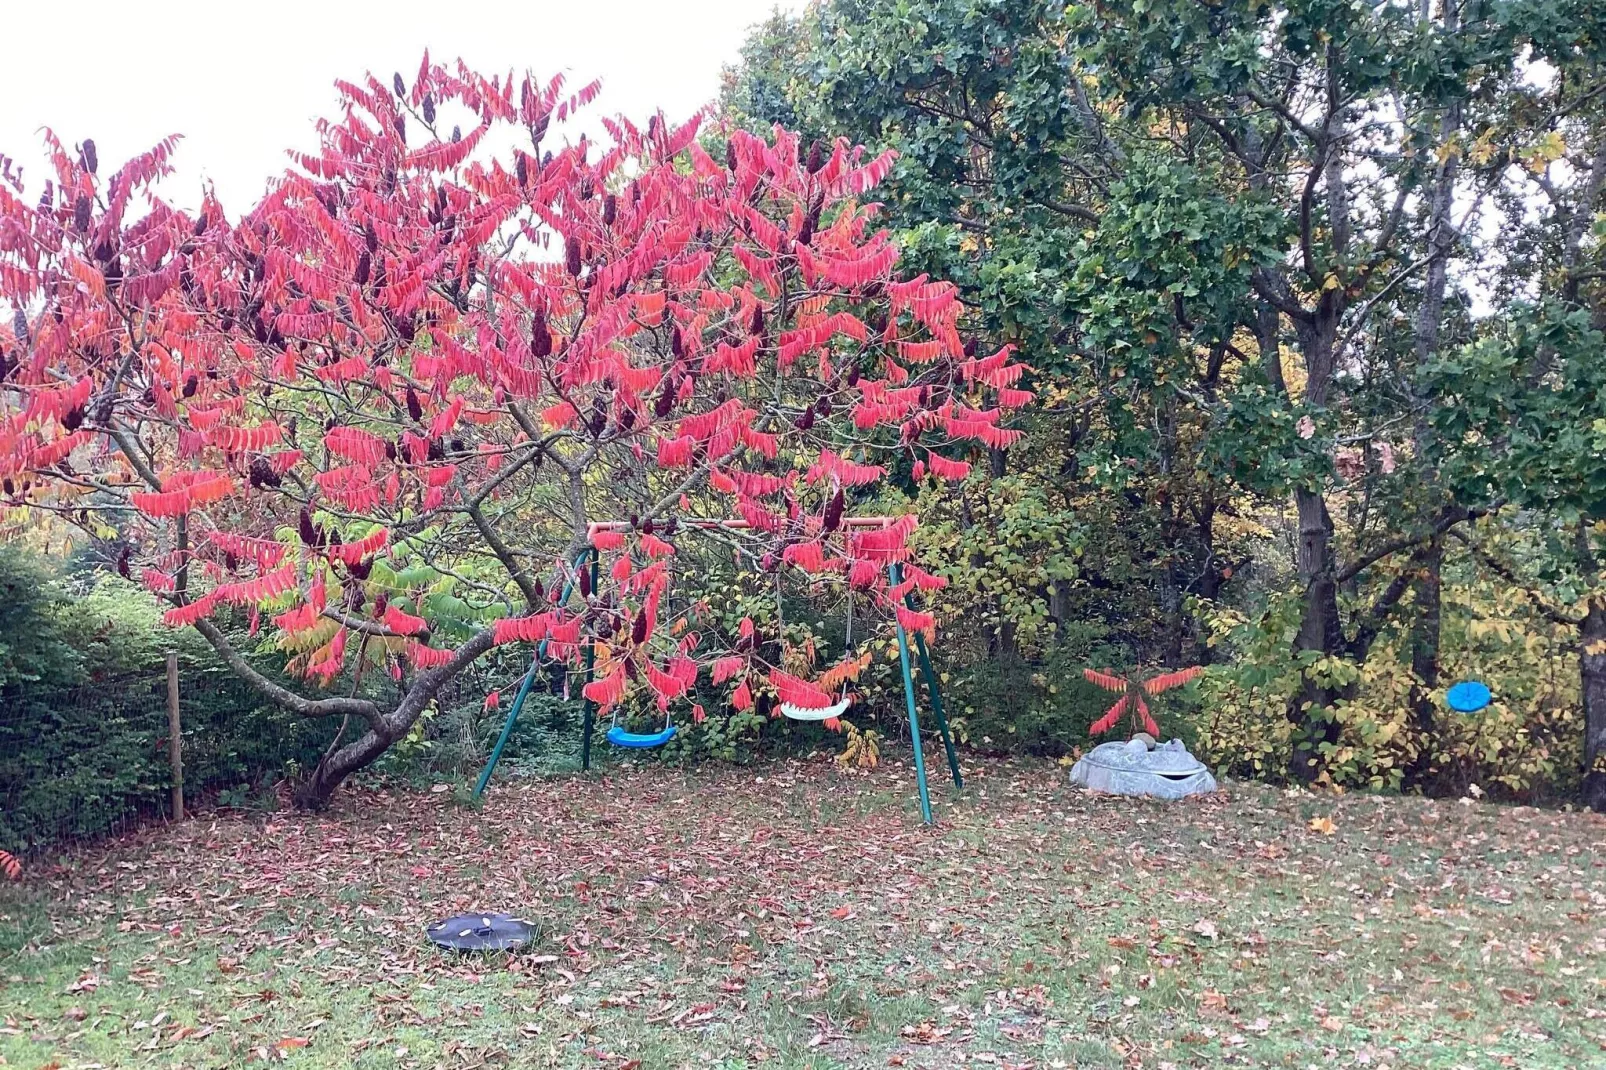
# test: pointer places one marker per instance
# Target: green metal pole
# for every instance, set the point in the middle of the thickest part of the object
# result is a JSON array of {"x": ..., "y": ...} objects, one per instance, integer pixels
[
  {"x": 936, "y": 706},
  {"x": 591, "y": 663},
  {"x": 518, "y": 702},
  {"x": 909, "y": 700},
  {"x": 507, "y": 728}
]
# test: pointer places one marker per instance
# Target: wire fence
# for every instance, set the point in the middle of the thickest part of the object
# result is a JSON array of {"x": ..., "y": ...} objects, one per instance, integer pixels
[
  {"x": 82, "y": 763},
  {"x": 89, "y": 761}
]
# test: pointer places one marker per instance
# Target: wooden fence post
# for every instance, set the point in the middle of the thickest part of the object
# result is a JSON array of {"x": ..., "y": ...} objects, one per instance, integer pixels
[{"x": 175, "y": 740}]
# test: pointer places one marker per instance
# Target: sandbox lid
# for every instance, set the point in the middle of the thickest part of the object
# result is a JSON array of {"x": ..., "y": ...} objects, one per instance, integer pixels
[{"x": 483, "y": 932}]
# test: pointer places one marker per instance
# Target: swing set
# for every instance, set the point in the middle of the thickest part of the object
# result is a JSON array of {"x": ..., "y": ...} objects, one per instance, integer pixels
[{"x": 620, "y": 736}]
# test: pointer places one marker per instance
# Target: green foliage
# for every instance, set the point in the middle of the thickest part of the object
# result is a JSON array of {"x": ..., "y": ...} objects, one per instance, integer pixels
[
  {"x": 35, "y": 645},
  {"x": 1525, "y": 746},
  {"x": 1127, "y": 192},
  {"x": 728, "y": 735},
  {"x": 1525, "y": 414},
  {"x": 1042, "y": 708},
  {"x": 83, "y": 710}
]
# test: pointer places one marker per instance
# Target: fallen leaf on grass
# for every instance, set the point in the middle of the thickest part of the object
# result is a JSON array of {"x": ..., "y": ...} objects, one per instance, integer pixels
[
  {"x": 924, "y": 1033},
  {"x": 1324, "y": 825},
  {"x": 87, "y": 983}
]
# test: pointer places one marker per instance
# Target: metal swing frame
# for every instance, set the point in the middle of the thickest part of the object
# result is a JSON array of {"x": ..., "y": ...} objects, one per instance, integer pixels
[{"x": 588, "y": 558}]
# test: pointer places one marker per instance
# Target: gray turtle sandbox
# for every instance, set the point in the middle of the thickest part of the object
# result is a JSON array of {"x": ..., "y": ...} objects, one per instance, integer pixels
[{"x": 1131, "y": 768}]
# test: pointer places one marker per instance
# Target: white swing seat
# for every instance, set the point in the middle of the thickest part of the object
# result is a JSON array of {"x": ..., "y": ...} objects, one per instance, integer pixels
[{"x": 824, "y": 713}]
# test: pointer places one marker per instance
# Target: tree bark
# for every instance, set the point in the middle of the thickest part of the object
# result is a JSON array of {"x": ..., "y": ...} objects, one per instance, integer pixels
[
  {"x": 1213, "y": 574},
  {"x": 1592, "y": 674},
  {"x": 1425, "y": 633},
  {"x": 1171, "y": 607},
  {"x": 1059, "y": 607},
  {"x": 1592, "y": 687},
  {"x": 1315, "y": 559},
  {"x": 1321, "y": 628},
  {"x": 316, "y": 791},
  {"x": 1429, "y": 588}
]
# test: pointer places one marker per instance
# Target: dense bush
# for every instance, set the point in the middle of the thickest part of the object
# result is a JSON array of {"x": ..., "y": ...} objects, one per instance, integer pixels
[
  {"x": 1525, "y": 746},
  {"x": 83, "y": 710}
]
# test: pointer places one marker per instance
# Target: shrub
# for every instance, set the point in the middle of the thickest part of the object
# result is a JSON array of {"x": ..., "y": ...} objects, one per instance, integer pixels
[
  {"x": 83, "y": 710},
  {"x": 1525, "y": 746}
]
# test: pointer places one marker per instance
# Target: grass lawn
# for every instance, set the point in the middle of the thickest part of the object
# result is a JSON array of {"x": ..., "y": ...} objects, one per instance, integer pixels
[{"x": 792, "y": 915}]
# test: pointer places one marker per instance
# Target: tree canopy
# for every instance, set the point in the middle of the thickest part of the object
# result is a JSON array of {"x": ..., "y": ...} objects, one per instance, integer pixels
[
  {"x": 1273, "y": 265},
  {"x": 380, "y": 412}
]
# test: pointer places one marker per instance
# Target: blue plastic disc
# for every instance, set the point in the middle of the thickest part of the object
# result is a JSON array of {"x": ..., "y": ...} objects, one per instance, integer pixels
[{"x": 1469, "y": 696}]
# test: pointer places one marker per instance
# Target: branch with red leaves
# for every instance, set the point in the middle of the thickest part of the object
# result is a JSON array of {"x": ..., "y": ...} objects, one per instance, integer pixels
[
  {"x": 1134, "y": 697},
  {"x": 421, "y": 350}
]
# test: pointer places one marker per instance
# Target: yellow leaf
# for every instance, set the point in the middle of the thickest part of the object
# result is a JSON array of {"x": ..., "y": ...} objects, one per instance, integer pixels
[
  {"x": 1550, "y": 148},
  {"x": 1482, "y": 150},
  {"x": 1324, "y": 825}
]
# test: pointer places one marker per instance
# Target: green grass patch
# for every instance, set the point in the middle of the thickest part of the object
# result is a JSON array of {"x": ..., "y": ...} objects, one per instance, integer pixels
[{"x": 794, "y": 915}]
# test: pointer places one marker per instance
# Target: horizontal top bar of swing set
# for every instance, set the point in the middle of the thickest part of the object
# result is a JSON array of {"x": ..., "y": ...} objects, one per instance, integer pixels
[{"x": 735, "y": 525}]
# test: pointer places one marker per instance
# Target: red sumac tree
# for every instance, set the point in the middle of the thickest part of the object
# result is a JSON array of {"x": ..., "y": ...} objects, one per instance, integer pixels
[{"x": 402, "y": 387}]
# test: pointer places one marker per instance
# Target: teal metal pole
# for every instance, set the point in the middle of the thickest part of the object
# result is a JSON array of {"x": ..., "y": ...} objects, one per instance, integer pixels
[
  {"x": 909, "y": 700},
  {"x": 518, "y": 702},
  {"x": 507, "y": 728},
  {"x": 591, "y": 664},
  {"x": 936, "y": 705}
]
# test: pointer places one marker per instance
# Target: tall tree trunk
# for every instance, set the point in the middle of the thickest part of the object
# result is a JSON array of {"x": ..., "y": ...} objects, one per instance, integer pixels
[
  {"x": 1429, "y": 587},
  {"x": 1425, "y": 631},
  {"x": 1321, "y": 628},
  {"x": 1592, "y": 677},
  {"x": 1212, "y": 574},
  {"x": 1171, "y": 607},
  {"x": 1059, "y": 607}
]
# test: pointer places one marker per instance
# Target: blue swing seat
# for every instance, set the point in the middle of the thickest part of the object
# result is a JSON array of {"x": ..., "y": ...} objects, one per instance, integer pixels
[
  {"x": 619, "y": 737},
  {"x": 1469, "y": 696}
]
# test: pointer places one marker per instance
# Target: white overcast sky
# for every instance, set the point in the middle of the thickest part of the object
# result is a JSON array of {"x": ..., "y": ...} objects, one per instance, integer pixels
[{"x": 243, "y": 81}]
